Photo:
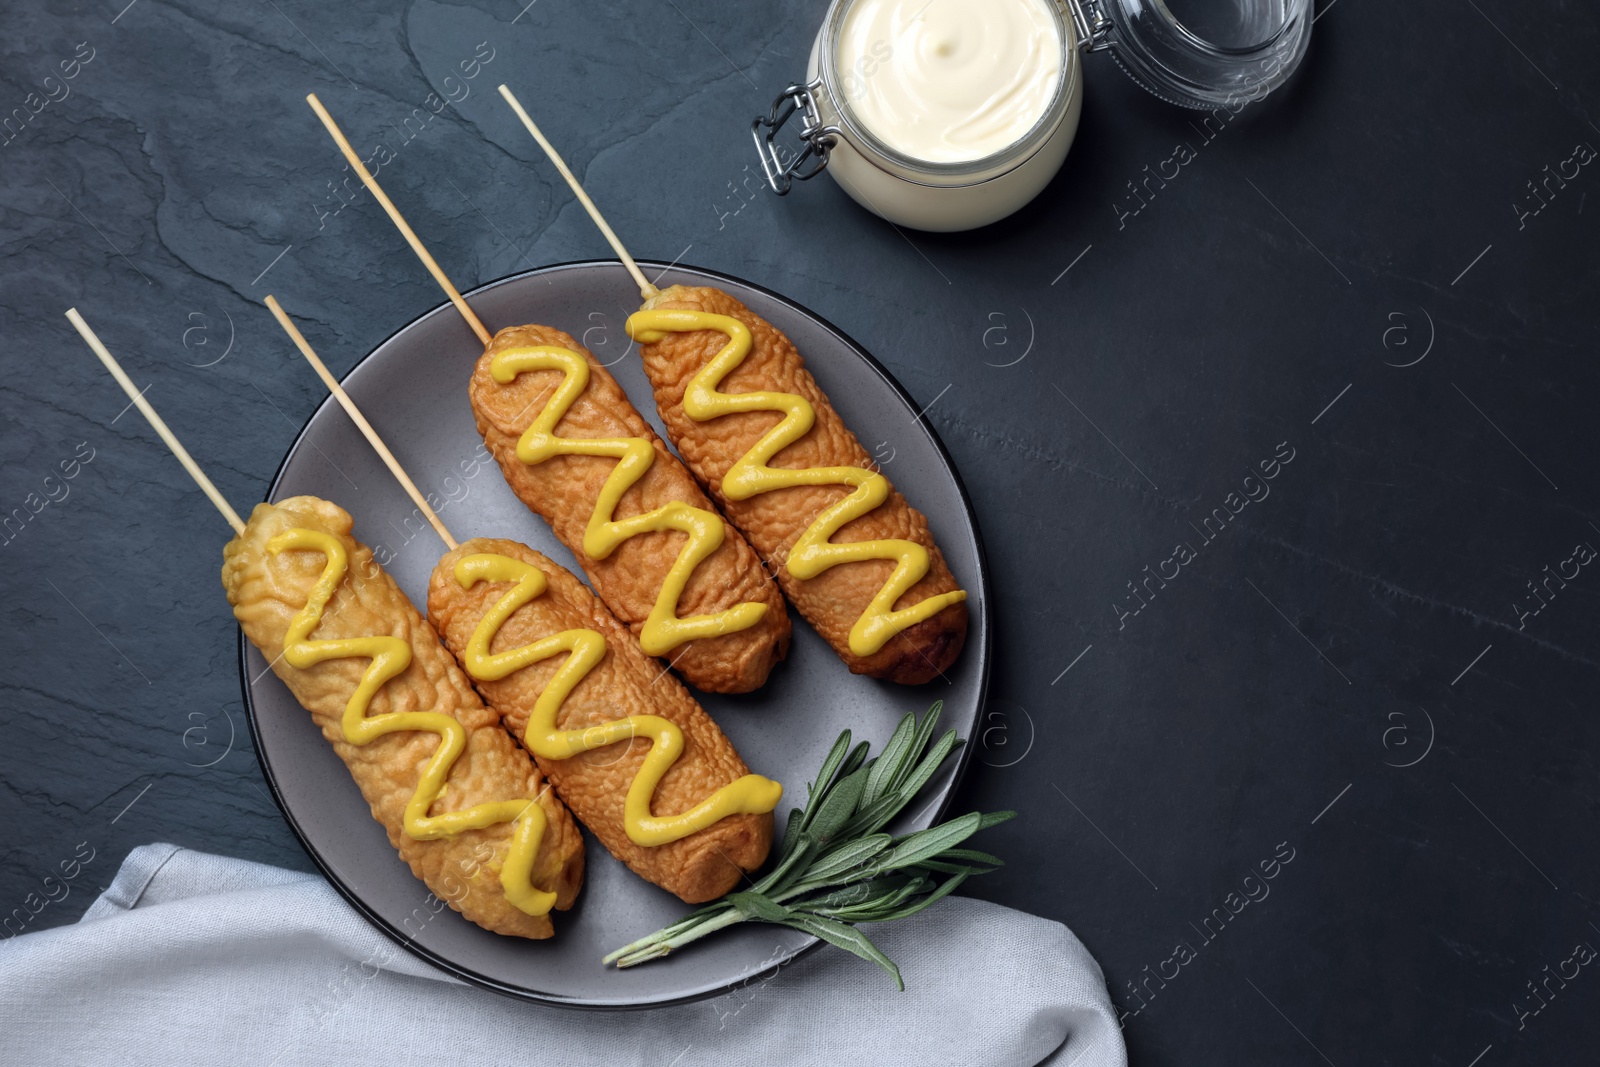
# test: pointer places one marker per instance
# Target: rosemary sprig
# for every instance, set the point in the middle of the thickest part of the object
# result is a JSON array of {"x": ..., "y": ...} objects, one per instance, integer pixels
[{"x": 837, "y": 868}]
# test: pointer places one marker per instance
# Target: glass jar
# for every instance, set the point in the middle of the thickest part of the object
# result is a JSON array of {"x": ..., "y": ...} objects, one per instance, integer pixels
[{"x": 1249, "y": 48}]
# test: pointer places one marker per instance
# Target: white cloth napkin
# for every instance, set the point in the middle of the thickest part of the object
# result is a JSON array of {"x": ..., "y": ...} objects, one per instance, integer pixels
[{"x": 190, "y": 958}]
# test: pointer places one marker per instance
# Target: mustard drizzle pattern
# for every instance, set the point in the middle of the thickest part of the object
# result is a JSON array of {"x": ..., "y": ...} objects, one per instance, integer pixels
[
  {"x": 389, "y": 657},
  {"x": 751, "y": 794},
  {"x": 663, "y": 630},
  {"x": 814, "y": 551}
]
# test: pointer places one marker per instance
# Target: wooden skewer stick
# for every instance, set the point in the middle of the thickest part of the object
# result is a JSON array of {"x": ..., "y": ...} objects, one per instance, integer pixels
[
  {"x": 646, "y": 290},
  {"x": 361, "y": 421},
  {"x": 155, "y": 421},
  {"x": 399, "y": 220}
]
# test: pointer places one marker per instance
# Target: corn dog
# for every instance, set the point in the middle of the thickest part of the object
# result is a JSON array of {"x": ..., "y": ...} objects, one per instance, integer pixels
[
  {"x": 625, "y": 745},
  {"x": 464, "y": 806},
  {"x": 658, "y": 554},
  {"x": 855, "y": 559}
]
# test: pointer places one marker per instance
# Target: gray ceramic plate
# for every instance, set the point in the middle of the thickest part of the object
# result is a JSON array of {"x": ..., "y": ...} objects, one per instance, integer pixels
[{"x": 413, "y": 389}]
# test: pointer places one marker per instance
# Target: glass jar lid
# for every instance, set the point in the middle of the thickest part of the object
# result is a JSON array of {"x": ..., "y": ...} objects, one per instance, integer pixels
[{"x": 1200, "y": 53}]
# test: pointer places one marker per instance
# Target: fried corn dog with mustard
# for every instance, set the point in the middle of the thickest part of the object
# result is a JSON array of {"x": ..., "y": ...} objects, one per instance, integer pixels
[
  {"x": 658, "y": 554},
  {"x": 855, "y": 559},
  {"x": 463, "y": 805},
  {"x": 626, "y": 747}
]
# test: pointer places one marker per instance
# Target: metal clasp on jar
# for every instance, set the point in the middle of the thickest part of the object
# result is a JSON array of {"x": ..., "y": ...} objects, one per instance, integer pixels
[
  {"x": 1089, "y": 19},
  {"x": 818, "y": 137}
]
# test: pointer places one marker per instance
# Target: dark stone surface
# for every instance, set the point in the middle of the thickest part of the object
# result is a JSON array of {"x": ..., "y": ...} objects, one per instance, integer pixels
[{"x": 1360, "y": 617}]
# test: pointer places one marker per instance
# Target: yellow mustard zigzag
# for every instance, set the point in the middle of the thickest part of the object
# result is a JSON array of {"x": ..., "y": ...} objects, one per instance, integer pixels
[
  {"x": 814, "y": 551},
  {"x": 390, "y": 656},
  {"x": 751, "y": 794},
  {"x": 663, "y": 631}
]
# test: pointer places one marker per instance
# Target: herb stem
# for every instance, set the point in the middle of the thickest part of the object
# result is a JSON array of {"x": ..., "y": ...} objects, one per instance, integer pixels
[{"x": 656, "y": 946}]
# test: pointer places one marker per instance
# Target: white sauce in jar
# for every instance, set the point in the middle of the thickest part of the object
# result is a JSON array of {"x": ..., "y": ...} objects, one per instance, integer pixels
[{"x": 948, "y": 81}]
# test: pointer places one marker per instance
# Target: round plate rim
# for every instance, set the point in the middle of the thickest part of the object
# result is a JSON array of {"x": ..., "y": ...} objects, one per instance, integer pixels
[{"x": 523, "y": 993}]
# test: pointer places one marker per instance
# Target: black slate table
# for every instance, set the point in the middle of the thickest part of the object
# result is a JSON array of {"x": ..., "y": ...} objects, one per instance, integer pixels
[{"x": 1307, "y": 757}]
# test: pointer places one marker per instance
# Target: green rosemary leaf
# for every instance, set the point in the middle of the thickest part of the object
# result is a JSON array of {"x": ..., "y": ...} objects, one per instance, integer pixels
[
  {"x": 829, "y": 766},
  {"x": 756, "y": 906},
  {"x": 911, "y": 851},
  {"x": 970, "y": 855},
  {"x": 932, "y": 898},
  {"x": 796, "y": 851},
  {"x": 926, "y": 844},
  {"x": 943, "y": 867},
  {"x": 901, "y": 905},
  {"x": 821, "y": 788},
  {"x": 919, "y": 744},
  {"x": 853, "y": 762},
  {"x": 837, "y": 807},
  {"x": 857, "y": 892},
  {"x": 930, "y": 763},
  {"x": 842, "y": 858},
  {"x": 871, "y": 818},
  {"x": 886, "y": 768},
  {"x": 868, "y": 907},
  {"x": 848, "y": 938},
  {"x": 995, "y": 818},
  {"x": 791, "y": 833}
]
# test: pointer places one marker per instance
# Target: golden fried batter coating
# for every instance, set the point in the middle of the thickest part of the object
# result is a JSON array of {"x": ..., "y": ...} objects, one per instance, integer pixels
[
  {"x": 266, "y": 592},
  {"x": 564, "y": 490},
  {"x": 835, "y": 599},
  {"x": 700, "y": 867}
]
